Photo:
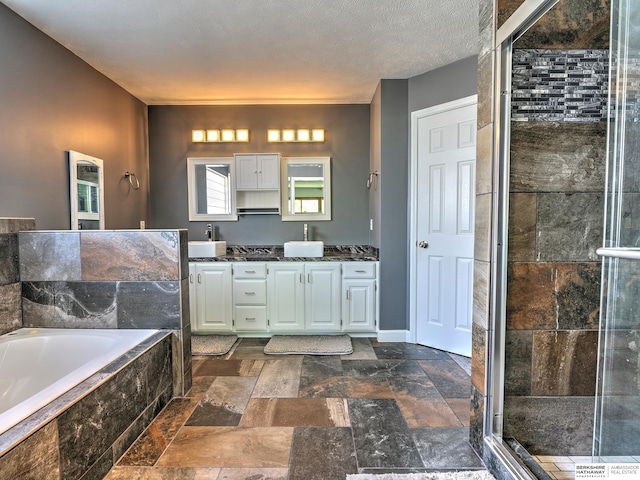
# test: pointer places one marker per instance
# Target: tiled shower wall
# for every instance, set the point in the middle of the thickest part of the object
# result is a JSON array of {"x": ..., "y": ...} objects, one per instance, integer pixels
[
  {"x": 109, "y": 279},
  {"x": 557, "y": 184},
  {"x": 10, "y": 291},
  {"x": 553, "y": 275}
]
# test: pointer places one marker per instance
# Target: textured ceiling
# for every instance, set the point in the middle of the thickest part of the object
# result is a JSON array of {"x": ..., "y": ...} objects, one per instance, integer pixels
[{"x": 258, "y": 51}]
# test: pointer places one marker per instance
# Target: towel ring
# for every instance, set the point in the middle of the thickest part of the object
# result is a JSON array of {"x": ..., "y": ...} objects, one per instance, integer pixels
[{"x": 131, "y": 175}]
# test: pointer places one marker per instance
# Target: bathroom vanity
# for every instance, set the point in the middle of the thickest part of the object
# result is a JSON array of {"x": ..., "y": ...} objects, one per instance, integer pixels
[{"x": 259, "y": 291}]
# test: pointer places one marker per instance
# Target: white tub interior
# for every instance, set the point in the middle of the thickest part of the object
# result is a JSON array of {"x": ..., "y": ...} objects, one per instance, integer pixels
[{"x": 37, "y": 365}]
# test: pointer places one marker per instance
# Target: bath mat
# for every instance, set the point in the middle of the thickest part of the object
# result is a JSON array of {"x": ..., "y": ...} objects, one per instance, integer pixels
[
  {"x": 309, "y": 345},
  {"x": 212, "y": 344},
  {"x": 467, "y": 475}
]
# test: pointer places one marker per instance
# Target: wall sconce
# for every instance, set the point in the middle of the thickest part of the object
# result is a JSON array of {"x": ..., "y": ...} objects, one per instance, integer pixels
[
  {"x": 216, "y": 136},
  {"x": 300, "y": 135}
]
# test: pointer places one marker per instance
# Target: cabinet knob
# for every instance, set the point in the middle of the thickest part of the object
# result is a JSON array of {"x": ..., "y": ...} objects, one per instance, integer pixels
[{"x": 249, "y": 293}]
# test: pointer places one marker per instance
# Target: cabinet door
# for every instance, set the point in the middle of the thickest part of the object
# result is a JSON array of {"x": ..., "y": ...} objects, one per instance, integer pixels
[
  {"x": 268, "y": 171},
  {"x": 285, "y": 297},
  {"x": 322, "y": 296},
  {"x": 192, "y": 295},
  {"x": 246, "y": 172},
  {"x": 213, "y": 290},
  {"x": 358, "y": 304}
]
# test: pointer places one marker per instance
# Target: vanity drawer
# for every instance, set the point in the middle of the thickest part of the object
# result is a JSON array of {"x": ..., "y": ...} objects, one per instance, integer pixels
[
  {"x": 250, "y": 292},
  {"x": 250, "y": 270},
  {"x": 359, "y": 270},
  {"x": 250, "y": 318}
]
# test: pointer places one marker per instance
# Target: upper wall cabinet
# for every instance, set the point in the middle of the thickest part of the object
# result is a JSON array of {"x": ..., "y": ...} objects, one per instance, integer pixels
[
  {"x": 258, "y": 172},
  {"x": 306, "y": 188},
  {"x": 211, "y": 189},
  {"x": 258, "y": 183}
]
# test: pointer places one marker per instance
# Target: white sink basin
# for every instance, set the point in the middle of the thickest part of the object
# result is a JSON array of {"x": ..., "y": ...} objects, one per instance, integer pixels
[
  {"x": 304, "y": 249},
  {"x": 204, "y": 248}
]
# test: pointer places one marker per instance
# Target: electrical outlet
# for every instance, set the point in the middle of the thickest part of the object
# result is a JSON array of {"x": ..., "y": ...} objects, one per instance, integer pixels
[
  {"x": 142, "y": 225},
  {"x": 371, "y": 224}
]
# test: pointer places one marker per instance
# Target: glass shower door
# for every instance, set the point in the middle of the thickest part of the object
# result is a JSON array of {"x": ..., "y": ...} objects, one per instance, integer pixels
[{"x": 617, "y": 417}]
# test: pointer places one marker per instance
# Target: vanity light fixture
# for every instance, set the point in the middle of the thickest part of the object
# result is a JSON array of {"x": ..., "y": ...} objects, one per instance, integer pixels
[
  {"x": 303, "y": 135},
  {"x": 273, "y": 135},
  {"x": 213, "y": 135},
  {"x": 317, "y": 135},
  {"x": 197, "y": 136},
  {"x": 288, "y": 135},
  {"x": 216, "y": 136},
  {"x": 242, "y": 135},
  {"x": 300, "y": 135}
]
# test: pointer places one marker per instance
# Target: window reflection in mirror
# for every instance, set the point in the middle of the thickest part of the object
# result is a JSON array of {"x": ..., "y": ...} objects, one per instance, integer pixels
[
  {"x": 86, "y": 193},
  {"x": 306, "y": 188},
  {"x": 211, "y": 189}
]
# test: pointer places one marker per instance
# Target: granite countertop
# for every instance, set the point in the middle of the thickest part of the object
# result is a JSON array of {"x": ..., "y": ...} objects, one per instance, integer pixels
[{"x": 332, "y": 253}]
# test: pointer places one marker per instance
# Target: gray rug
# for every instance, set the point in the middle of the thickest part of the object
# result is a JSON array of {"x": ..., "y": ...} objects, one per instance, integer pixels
[
  {"x": 212, "y": 344},
  {"x": 309, "y": 345},
  {"x": 468, "y": 475}
]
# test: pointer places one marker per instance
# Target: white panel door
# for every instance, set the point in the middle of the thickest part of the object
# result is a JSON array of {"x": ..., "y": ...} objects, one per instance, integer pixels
[{"x": 444, "y": 229}]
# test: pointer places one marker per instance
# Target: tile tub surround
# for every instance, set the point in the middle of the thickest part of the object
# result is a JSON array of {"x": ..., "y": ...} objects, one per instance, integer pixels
[
  {"x": 332, "y": 253},
  {"x": 85, "y": 431},
  {"x": 10, "y": 291},
  {"x": 109, "y": 279}
]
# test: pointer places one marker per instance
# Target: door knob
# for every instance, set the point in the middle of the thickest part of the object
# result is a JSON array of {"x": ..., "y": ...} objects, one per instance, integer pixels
[{"x": 423, "y": 244}]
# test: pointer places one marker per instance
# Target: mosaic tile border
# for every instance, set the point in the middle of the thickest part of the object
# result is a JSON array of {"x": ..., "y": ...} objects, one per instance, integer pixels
[{"x": 559, "y": 85}]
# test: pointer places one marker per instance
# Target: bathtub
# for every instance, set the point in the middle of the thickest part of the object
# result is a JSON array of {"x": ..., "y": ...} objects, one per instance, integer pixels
[{"x": 37, "y": 365}]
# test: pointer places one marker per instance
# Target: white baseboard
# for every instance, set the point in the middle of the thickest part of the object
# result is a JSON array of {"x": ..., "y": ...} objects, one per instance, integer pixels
[{"x": 393, "y": 335}]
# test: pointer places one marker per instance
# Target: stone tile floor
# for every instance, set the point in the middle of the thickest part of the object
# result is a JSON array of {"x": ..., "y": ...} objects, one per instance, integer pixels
[{"x": 387, "y": 407}]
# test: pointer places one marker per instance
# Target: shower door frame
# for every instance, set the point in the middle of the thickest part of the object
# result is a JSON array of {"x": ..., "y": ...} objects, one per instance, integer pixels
[{"x": 513, "y": 28}]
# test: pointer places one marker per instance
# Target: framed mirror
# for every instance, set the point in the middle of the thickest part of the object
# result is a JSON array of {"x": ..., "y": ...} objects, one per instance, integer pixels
[
  {"x": 212, "y": 193},
  {"x": 305, "y": 188},
  {"x": 86, "y": 191}
]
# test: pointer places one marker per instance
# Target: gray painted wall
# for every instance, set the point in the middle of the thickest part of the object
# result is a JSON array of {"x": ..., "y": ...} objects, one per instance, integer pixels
[
  {"x": 445, "y": 84},
  {"x": 347, "y": 143},
  {"x": 393, "y": 190},
  {"x": 52, "y": 102},
  {"x": 391, "y": 107}
]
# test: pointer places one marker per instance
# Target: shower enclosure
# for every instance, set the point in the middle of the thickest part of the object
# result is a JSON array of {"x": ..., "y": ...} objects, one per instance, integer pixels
[
  {"x": 617, "y": 419},
  {"x": 564, "y": 350}
]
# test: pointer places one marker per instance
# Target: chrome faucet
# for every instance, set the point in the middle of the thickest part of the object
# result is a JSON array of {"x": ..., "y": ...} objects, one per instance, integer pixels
[
  {"x": 305, "y": 233},
  {"x": 209, "y": 232}
]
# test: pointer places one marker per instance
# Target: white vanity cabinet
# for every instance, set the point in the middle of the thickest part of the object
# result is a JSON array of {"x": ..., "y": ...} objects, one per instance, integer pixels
[
  {"x": 283, "y": 297},
  {"x": 359, "y": 305},
  {"x": 257, "y": 171},
  {"x": 250, "y": 297},
  {"x": 210, "y": 297},
  {"x": 304, "y": 296}
]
